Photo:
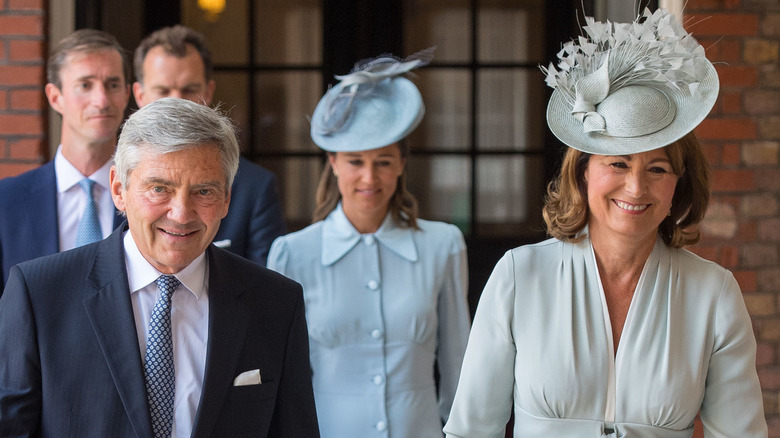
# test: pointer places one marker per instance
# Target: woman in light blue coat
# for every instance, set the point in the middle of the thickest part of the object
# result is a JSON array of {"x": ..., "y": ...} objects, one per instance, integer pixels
[
  {"x": 611, "y": 328},
  {"x": 385, "y": 291}
]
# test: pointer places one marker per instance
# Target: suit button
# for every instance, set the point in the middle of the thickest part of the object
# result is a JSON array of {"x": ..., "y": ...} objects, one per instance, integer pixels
[
  {"x": 378, "y": 379},
  {"x": 381, "y": 426},
  {"x": 373, "y": 285},
  {"x": 376, "y": 333}
]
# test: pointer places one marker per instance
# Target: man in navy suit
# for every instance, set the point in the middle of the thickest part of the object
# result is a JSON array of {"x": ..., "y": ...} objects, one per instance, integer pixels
[
  {"x": 175, "y": 62},
  {"x": 82, "y": 332},
  {"x": 40, "y": 210}
]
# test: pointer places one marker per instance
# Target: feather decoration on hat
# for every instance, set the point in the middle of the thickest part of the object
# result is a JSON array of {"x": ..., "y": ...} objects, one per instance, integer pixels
[
  {"x": 361, "y": 81},
  {"x": 654, "y": 50}
]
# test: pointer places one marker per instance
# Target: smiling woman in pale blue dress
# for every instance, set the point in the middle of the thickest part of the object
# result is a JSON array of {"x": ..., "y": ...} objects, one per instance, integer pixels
[
  {"x": 385, "y": 291},
  {"x": 611, "y": 328}
]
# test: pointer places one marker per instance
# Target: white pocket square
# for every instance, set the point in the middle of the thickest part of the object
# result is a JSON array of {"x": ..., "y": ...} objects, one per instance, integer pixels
[
  {"x": 222, "y": 243},
  {"x": 248, "y": 378}
]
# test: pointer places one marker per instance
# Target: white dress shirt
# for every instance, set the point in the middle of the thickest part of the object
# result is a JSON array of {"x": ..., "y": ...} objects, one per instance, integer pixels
[
  {"x": 189, "y": 326},
  {"x": 71, "y": 199}
]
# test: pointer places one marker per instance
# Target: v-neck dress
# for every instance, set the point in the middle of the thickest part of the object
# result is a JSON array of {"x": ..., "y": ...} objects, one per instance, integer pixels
[
  {"x": 542, "y": 342},
  {"x": 383, "y": 310}
]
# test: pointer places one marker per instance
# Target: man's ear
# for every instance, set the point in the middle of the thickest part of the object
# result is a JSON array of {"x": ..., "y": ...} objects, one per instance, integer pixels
[
  {"x": 117, "y": 193},
  {"x": 138, "y": 94},
  {"x": 54, "y": 95},
  {"x": 211, "y": 87}
]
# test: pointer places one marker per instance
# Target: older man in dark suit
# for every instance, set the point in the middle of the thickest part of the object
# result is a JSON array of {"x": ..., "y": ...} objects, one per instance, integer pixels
[{"x": 154, "y": 332}]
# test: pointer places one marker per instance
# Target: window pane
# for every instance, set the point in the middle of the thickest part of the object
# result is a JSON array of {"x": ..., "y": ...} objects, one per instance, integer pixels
[
  {"x": 297, "y": 179},
  {"x": 447, "y": 97},
  {"x": 510, "y": 30},
  {"x": 288, "y": 32},
  {"x": 284, "y": 100},
  {"x": 510, "y": 115},
  {"x": 231, "y": 94},
  {"x": 441, "y": 185},
  {"x": 509, "y": 194},
  {"x": 446, "y": 25},
  {"x": 228, "y": 36}
]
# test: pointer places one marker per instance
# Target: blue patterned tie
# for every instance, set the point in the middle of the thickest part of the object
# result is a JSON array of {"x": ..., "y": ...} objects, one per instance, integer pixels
[
  {"x": 158, "y": 364},
  {"x": 89, "y": 225}
]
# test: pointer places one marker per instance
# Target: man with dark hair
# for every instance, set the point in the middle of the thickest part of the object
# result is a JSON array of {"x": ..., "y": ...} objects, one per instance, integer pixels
[
  {"x": 153, "y": 331},
  {"x": 67, "y": 202},
  {"x": 175, "y": 62}
]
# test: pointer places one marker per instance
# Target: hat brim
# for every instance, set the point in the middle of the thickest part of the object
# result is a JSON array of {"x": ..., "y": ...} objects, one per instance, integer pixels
[
  {"x": 691, "y": 109},
  {"x": 387, "y": 115}
]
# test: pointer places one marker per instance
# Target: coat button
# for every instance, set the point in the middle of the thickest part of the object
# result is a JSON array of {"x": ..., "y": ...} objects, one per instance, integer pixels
[{"x": 373, "y": 285}]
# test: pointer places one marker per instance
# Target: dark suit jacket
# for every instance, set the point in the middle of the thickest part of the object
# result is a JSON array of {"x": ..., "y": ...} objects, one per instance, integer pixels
[
  {"x": 28, "y": 217},
  {"x": 71, "y": 364},
  {"x": 255, "y": 217}
]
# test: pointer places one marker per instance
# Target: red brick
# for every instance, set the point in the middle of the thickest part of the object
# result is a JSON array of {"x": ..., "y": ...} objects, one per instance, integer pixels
[
  {"x": 691, "y": 5},
  {"x": 732, "y": 180},
  {"x": 21, "y": 124},
  {"x": 25, "y": 50},
  {"x": 737, "y": 76},
  {"x": 730, "y": 102},
  {"x": 747, "y": 280},
  {"x": 730, "y": 154},
  {"x": 765, "y": 354},
  {"x": 729, "y": 256},
  {"x": 722, "y": 24},
  {"x": 768, "y": 179},
  {"x": 712, "y": 151},
  {"x": 732, "y": 4},
  {"x": 28, "y": 99},
  {"x": 727, "y": 129},
  {"x": 25, "y": 5},
  {"x": 747, "y": 231},
  {"x": 21, "y": 75},
  {"x": 27, "y": 149},
  {"x": 769, "y": 377},
  {"x": 709, "y": 252},
  {"x": 21, "y": 24},
  {"x": 730, "y": 50},
  {"x": 3, "y": 100},
  {"x": 13, "y": 169},
  {"x": 2, "y": 51}
]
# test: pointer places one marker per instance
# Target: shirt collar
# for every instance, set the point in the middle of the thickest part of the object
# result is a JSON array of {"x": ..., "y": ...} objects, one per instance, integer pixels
[
  {"x": 140, "y": 273},
  {"x": 339, "y": 236},
  {"x": 68, "y": 176}
]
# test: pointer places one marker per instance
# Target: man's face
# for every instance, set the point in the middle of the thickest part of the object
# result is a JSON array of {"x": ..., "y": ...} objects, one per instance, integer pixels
[
  {"x": 166, "y": 75},
  {"x": 174, "y": 204},
  {"x": 91, "y": 98}
]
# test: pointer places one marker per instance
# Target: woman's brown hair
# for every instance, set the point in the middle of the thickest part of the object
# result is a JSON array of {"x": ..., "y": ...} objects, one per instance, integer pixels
[{"x": 566, "y": 205}]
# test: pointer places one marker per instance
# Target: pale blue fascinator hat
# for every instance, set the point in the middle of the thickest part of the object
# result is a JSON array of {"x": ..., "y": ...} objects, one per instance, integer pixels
[
  {"x": 372, "y": 107},
  {"x": 625, "y": 88}
]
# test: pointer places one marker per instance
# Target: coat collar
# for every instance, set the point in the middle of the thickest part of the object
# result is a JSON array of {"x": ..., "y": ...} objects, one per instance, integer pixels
[{"x": 339, "y": 237}]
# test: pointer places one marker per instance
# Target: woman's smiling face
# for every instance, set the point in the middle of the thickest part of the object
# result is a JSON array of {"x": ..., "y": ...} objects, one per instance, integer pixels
[{"x": 629, "y": 195}]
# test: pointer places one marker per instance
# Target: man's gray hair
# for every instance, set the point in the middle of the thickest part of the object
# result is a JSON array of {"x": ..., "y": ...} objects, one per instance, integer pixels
[{"x": 171, "y": 125}]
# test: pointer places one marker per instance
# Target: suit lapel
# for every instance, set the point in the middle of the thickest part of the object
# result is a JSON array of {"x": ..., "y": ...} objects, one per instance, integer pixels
[
  {"x": 228, "y": 322},
  {"x": 42, "y": 201},
  {"x": 110, "y": 311}
]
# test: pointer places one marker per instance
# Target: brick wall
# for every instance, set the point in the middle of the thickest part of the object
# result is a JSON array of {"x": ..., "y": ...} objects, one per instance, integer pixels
[
  {"x": 23, "y": 106},
  {"x": 742, "y": 140}
]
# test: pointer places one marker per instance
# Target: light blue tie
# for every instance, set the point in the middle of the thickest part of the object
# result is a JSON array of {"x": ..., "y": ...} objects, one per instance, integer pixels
[
  {"x": 158, "y": 364},
  {"x": 89, "y": 225}
]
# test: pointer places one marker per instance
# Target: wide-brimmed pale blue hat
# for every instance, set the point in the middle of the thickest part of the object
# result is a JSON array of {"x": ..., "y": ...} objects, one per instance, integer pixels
[
  {"x": 372, "y": 107},
  {"x": 625, "y": 88}
]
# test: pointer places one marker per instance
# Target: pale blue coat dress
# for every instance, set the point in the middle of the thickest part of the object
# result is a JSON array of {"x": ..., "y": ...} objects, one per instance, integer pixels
[
  {"x": 542, "y": 339},
  {"x": 382, "y": 310}
]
